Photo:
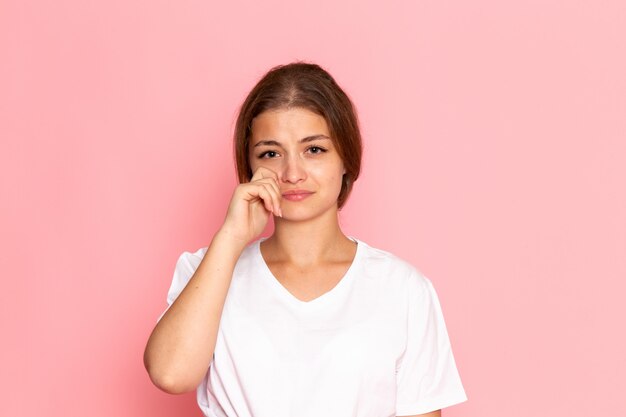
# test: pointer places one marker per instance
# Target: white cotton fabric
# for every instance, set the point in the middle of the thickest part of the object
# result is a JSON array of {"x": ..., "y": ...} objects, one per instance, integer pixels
[{"x": 376, "y": 345}]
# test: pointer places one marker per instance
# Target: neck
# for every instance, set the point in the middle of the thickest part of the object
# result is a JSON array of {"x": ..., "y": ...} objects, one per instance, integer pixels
[{"x": 307, "y": 242}]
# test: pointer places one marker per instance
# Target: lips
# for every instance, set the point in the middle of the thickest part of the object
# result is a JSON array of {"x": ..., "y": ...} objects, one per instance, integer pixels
[{"x": 296, "y": 195}]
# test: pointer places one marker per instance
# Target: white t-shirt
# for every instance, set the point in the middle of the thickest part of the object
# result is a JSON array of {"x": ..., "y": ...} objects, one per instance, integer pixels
[{"x": 376, "y": 345}]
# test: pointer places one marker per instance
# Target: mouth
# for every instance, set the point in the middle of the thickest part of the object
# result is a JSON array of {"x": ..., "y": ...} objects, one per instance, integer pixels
[{"x": 296, "y": 195}]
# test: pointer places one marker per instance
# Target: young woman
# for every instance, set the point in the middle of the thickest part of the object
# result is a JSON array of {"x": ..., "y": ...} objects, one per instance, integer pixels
[{"x": 308, "y": 322}]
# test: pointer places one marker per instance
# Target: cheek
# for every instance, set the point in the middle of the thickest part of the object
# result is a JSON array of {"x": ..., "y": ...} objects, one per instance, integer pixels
[
  {"x": 333, "y": 177},
  {"x": 325, "y": 172},
  {"x": 272, "y": 164}
]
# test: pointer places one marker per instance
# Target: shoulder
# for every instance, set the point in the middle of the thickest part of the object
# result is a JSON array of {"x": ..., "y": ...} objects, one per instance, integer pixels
[
  {"x": 187, "y": 258},
  {"x": 381, "y": 262},
  {"x": 189, "y": 261},
  {"x": 186, "y": 265}
]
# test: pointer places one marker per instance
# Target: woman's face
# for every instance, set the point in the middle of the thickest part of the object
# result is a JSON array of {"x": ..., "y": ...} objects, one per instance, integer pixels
[{"x": 295, "y": 143}]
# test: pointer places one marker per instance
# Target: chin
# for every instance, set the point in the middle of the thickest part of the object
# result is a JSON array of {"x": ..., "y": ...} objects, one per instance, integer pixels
[{"x": 301, "y": 214}]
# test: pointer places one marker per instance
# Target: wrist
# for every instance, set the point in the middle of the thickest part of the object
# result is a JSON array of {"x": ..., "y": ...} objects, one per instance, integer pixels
[{"x": 225, "y": 236}]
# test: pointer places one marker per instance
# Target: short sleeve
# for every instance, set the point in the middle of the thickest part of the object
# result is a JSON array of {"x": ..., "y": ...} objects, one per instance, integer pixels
[
  {"x": 185, "y": 268},
  {"x": 427, "y": 378}
]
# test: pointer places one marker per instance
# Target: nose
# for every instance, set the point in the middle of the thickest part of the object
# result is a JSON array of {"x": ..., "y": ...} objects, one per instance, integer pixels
[{"x": 293, "y": 170}]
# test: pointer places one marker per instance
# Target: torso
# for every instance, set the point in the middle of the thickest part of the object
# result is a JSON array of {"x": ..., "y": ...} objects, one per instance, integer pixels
[
  {"x": 322, "y": 339},
  {"x": 338, "y": 355}
]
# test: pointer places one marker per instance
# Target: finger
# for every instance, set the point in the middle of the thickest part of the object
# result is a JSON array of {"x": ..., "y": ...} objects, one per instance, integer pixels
[
  {"x": 266, "y": 197},
  {"x": 273, "y": 183},
  {"x": 272, "y": 191},
  {"x": 263, "y": 172}
]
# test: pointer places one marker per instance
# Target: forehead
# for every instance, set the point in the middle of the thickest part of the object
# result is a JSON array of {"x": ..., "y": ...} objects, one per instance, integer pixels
[{"x": 287, "y": 124}]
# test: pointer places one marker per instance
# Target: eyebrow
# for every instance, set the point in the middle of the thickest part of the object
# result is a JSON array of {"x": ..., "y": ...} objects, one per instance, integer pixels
[{"x": 272, "y": 142}]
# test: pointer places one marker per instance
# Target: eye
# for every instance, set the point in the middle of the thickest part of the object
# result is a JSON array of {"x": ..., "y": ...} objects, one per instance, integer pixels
[
  {"x": 268, "y": 155},
  {"x": 316, "y": 149}
]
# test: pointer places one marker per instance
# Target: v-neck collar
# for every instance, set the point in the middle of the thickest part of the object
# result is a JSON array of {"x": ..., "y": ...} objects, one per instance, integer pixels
[{"x": 284, "y": 293}]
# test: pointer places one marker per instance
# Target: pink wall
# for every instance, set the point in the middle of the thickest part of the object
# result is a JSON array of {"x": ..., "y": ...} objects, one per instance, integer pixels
[{"x": 495, "y": 162}]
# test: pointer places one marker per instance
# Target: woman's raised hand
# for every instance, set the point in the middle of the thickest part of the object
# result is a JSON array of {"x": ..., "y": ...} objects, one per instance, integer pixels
[
  {"x": 181, "y": 346},
  {"x": 251, "y": 205}
]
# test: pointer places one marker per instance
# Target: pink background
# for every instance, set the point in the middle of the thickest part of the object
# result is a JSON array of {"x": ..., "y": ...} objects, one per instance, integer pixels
[{"x": 495, "y": 161}]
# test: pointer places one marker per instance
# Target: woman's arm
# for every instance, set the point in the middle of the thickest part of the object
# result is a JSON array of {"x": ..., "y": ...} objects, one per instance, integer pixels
[{"x": 180, "y": 348}]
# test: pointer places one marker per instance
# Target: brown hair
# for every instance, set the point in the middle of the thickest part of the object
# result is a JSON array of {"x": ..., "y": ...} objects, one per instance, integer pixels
[{"x": 307, "y": 86}]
